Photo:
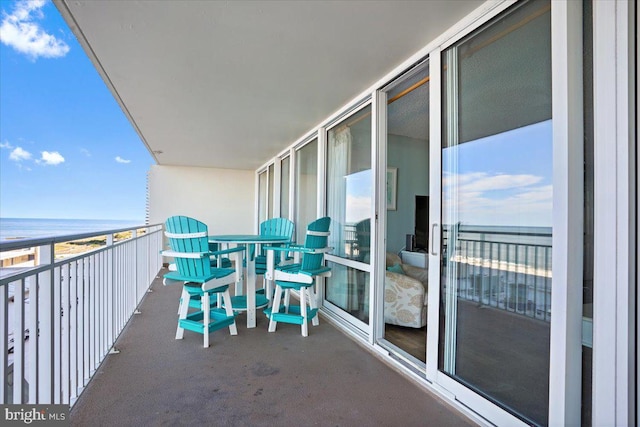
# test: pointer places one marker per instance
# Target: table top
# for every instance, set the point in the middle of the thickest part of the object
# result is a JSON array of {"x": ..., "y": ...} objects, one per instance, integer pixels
[{"x": 247, "y": 238}]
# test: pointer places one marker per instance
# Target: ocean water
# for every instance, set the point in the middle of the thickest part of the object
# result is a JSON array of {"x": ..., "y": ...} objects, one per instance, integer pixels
[{"x": 29, "y": 228}]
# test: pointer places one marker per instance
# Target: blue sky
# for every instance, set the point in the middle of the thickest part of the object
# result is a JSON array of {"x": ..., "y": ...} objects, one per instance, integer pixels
[
  {"x": 503, "y": 179},
  {"x": 66, "y": 148}
]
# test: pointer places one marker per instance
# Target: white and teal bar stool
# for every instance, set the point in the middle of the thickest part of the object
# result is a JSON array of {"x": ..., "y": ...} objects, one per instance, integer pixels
[
  {"x": 300, "y": 277},
  {"x": 189, "y": 245}
]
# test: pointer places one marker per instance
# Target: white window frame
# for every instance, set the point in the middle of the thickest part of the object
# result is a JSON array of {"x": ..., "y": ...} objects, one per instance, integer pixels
[
  {"x": 565, "y": 352},
  {"x": 614, "y": 216}
]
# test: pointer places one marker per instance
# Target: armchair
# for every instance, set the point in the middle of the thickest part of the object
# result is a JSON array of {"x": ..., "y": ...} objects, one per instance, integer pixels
[{"x": 405, "y": 293}]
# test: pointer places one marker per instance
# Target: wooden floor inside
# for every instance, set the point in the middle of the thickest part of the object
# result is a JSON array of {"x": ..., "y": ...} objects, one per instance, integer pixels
[{"x": 411, "y": 340}]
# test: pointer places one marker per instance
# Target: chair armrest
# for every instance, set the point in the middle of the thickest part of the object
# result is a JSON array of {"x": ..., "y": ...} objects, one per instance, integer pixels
[
  {"x": 227, "y": 251},
  {"x": 277, "y": 248},
  {"x": 300, "y": 249},
  {"x": 420, "y": 274},
  {"x": 317, "y": 272},
  {"x": 175, "y": 254}
]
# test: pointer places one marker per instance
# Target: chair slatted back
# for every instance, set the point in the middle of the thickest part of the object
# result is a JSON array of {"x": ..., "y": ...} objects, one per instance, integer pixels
[
  {"x": 312, "y": 262},
  {"x": 363, "y": 239},
  {"x": 183, "y": 225},
  {"x": 277, "y": 227}
]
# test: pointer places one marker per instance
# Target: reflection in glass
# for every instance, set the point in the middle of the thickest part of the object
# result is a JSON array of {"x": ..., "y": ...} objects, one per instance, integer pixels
[
  {"x": 306, "y": 187},
  {"x": 349, "y": 202},
  {"x": 497, "y": 211},
  {"x": 348, "y": 289},
  {"x": 349, "y": 186}
]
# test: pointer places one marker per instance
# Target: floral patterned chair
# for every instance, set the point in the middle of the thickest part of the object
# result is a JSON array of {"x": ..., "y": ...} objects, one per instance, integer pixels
[{"x": 405, "y": 293}]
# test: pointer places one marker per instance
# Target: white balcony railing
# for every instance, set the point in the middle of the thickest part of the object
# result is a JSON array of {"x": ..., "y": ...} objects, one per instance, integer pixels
[{"x": 60, "y": 317}]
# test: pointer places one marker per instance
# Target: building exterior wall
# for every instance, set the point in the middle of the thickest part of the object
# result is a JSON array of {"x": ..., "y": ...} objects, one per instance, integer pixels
[
  {"x": 221, "y": 198},
  {"x": 613, "y": 391}
]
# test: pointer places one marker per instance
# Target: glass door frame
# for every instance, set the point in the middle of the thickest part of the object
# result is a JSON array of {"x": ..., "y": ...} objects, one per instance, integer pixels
[
  {"x": 566, "y": 327},
  {"x": 359, "y": 327},
  {"x": 379, "y": 151}
]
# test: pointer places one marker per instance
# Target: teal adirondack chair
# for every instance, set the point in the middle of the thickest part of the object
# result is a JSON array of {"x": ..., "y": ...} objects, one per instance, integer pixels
[
  {"x": 273, "y": 227},
  {"x": 200, "y": 281},
  {"x": 300, "y": 277}
]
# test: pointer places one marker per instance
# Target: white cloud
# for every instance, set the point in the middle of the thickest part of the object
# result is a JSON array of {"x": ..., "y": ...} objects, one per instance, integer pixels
[
  {"x": 480, "y": 181},
  {"x": 19, "y": 154},
  {"x": 357, "y": 208},
  {"x": 121, "y": 160},
  {"x": 6, "y": 145},
  {"x": 20, "y": 31},
  {"x": 51, "y": 158},
  {"x": 85, "y": 152},
  {"x": 498, "y": 199}
]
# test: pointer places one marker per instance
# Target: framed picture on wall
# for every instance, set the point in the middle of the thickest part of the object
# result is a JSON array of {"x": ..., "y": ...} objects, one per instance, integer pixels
[{"x": 392, "y": 188}]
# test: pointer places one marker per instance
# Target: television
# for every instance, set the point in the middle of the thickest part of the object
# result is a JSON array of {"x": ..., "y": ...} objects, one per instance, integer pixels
[{"x": 422, "y": 223}]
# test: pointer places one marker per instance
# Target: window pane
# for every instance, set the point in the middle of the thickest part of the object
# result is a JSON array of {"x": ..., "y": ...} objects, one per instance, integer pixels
[
  {"x": 306, "y": 188},
  {"x": 497, "y": 211},
  {"x": 349, "y": 186},
  {"x": 348, "y": 289}
]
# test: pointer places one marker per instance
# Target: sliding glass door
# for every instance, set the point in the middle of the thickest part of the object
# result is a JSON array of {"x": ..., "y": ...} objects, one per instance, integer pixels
[
  {"x": 407, "y": 214},
  {"x": 496, "y": 211}
]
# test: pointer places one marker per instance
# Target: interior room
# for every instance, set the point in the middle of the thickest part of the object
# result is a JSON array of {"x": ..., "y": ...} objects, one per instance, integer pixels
[{"x": 406, "y": 275}]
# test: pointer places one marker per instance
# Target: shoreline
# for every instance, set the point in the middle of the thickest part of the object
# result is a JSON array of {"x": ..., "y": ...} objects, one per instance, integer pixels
[{"x": 30, "y": 257}]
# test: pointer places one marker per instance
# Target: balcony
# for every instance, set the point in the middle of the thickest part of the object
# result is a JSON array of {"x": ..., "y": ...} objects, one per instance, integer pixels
[
  {"x": 254, "y": 378},
  {"x": 112, "y": 356}
]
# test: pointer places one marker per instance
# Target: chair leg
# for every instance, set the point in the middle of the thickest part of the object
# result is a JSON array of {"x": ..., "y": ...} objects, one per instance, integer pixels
[
  {"x": 275, "y": 308},
  {"x": 206, "y": 308},
  {"x": 226, "y": 296},
  {"x": 313, "y": 304},
  {"x": 287, "y": 299},
  {"x": 268, "y": 290},
  {"x": 184, "y": 308},
  {"x": 303, "y": 312}
]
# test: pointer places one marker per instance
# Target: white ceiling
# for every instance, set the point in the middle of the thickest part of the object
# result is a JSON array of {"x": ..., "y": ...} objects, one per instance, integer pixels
[{"x": 230, "y": 84}]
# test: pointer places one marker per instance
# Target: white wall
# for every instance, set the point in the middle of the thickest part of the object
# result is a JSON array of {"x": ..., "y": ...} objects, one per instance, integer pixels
[
  {"x": 221, "y": 198},
  {"x": 411, "y": 157}
]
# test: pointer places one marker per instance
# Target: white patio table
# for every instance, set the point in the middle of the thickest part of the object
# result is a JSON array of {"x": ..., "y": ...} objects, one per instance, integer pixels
[{"x": 249, "y": 301}]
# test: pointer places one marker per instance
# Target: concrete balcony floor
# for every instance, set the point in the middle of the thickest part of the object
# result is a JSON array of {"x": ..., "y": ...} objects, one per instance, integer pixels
[{"x": 252, "y": 379}]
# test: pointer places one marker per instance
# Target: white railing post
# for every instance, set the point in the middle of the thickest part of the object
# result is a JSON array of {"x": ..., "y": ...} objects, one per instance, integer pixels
[
  {"x": 4, "y": 342},
  {"x": 18, "y": 340},
  {"x": 44, "y": 332},
  {"x": 110, "y": 284},
  {"x": 32, "y": 325}
]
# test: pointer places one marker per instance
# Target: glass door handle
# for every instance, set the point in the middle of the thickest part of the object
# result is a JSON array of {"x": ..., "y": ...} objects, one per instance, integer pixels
[{"x": 433, "y": 237}]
